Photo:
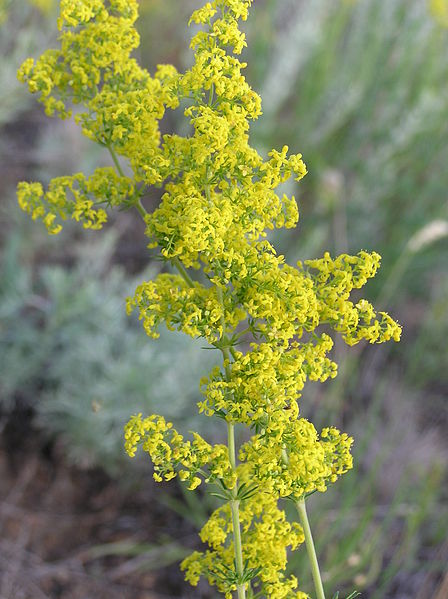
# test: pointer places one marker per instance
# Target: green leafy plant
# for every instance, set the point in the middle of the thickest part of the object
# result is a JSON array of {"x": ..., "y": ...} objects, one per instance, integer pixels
[
  {"x": 269, "y": 320},
  {"x": 74, "y": 371},
  {"x": 351, "y": 596},
  {"x": 374, "y": 104}
]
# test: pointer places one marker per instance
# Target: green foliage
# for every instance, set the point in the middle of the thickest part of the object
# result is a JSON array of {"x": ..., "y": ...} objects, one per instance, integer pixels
[
  {"x": 363, "y": 91},
  {"x": 351, "y": 596},
  {"x": 24, "y": 30},
  {"x": 382, "y": 512},
  {"x": 84, "y": 374},
  {"x": 429, "y": 349}
]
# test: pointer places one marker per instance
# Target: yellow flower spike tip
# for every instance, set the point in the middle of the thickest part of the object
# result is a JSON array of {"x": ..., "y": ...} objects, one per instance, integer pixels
[{"x": 219, "y": 200}]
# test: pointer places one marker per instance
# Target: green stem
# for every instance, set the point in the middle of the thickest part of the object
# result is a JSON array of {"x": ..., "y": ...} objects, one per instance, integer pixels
[
  {"x": 140, "y": 209},
  {"x": 301, "y": 508},
  {"x": 115, "y": 159},
  {"x": 234, "y": 503},
  {"x": 138, "y": 203},
  {"x": 211, "y": 95},
  {"x": 234, "y": 506},
  {"x": 183, "y": 273},
  {"x": 231, "y": 444}
]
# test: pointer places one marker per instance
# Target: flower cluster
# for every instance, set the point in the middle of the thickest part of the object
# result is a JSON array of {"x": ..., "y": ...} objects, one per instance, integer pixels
[
  {"x": 266, "y": 537},
  {"x": 266, "y": 381},
  {"x": 219, "y": 200},
  {"x": 76, "y": 197},
  {"x": 172, "y": 455},
  {"x": 195, "y": 310},
  {"x": 334, "y": 281},
  {"x": 295, "y": 462}
]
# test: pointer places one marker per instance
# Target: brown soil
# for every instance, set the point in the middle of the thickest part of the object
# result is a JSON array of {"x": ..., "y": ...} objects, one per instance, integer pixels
[{"x": 55, "y": 521}]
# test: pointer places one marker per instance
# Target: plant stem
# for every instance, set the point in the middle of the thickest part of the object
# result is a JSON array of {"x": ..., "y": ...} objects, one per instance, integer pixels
[
  {"x": 183, "y": 273},
  {"x": 138, "y": 203},
  {"x": 140, "y": 209},
  {"x": 234, "y": 506},
  {"x": 115, "y": 159},
  {"x": 301, "y": 508},
  {"x": 231, "y": 444},
  {"x": 234, "y": 503}
]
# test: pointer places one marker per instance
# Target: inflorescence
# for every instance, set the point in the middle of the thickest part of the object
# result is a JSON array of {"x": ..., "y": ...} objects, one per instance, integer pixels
[{"x": 219, "y": 202}]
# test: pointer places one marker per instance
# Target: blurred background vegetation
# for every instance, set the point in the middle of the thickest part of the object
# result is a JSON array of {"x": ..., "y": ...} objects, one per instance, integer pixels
[{"x": 360, "y": 88}]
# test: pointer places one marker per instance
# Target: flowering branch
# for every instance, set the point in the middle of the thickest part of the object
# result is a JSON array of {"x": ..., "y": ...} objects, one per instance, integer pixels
[{"x": 219, "y": 201}]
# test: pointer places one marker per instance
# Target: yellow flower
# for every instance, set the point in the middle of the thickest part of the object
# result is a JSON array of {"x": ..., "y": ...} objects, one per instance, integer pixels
[{"x": 218, "y": 203}]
